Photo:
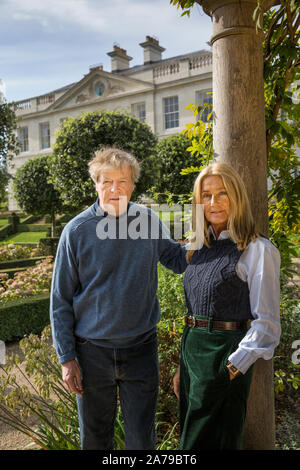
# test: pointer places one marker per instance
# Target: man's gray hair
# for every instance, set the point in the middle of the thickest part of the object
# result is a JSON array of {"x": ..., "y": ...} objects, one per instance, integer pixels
[{"x": 112, "y": 157}]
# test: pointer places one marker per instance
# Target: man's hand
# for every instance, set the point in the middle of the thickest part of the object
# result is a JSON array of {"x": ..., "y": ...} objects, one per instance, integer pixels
[
  {"x": 72, "y": 377},
  {"x": 176, "y": 381}
]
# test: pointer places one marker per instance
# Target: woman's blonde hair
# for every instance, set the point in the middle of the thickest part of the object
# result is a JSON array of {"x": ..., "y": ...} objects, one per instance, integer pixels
[
  {"x": 112, "y": 157},
  {"x": 241, "y": 224}
]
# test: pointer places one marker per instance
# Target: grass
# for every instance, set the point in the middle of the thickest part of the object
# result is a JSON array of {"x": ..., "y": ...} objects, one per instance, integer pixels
[
  {"x": 6, "y": 222},
  {"x": 25, "y": 237}
]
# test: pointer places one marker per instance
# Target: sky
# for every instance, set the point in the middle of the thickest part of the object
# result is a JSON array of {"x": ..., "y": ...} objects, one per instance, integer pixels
[{"x": 45, "y": 45}]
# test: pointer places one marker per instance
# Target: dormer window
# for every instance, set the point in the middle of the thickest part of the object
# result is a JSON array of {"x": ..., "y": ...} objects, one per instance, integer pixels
[{"x": 99, "y": 88}]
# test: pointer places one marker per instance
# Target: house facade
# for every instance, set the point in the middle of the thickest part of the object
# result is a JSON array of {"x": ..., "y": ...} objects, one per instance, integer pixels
[{"x": 156, "y": 92}]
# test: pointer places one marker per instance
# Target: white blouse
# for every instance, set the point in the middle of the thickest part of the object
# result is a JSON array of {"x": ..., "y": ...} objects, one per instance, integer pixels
[{"x": 259, "y": 266}]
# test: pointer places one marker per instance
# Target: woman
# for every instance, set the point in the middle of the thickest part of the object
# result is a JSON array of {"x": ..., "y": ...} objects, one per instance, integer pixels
[{"x": 232, "y": 279}]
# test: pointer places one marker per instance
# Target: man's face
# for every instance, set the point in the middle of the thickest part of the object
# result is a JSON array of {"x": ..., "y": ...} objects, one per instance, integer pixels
[{"x": 114, "y": 188}]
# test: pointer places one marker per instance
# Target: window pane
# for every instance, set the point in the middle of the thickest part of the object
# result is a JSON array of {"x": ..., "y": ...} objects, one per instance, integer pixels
[
  {"x": 171, "y": 112},
  {"x": 45, "y": 135},
  {"x": 23, "y": 138},
  {"x": 138, "y": 110},
  {"x": 141, "y": 112},
  {"x": 201, "y": 98}
]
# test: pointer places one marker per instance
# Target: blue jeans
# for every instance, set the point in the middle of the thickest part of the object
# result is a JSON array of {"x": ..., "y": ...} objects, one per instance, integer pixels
[{"x": 105, "y": 371}]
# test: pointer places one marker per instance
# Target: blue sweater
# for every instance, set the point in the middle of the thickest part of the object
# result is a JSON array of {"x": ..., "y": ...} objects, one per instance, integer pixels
[{"x": 104, "y": 287}]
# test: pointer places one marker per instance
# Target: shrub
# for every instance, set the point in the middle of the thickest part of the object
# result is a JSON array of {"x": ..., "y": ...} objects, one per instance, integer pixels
[
  {"x": 43, "y": 396},
  {"x": 23, "y": 316},
  {"x": 12, "y": 252},
  {"x": 48, "y": 245},
  {"x": 287, "y": 373},
  {"x": 173, "y": 309},
  {"x": 33, "y": 190},
  {"x": 172, "y": 156}
]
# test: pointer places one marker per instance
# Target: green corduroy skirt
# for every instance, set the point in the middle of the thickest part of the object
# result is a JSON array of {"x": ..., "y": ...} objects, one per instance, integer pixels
[{"x": 212, "y": 408}]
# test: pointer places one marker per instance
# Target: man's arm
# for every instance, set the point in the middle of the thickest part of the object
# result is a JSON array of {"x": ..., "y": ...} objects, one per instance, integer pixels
[
  {"x": 171, "y": 254},
  {"x": 65, "y": 282}
]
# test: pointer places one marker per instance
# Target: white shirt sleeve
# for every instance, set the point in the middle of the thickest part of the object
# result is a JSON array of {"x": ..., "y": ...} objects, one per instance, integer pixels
[{"x": 259, "y": 265}]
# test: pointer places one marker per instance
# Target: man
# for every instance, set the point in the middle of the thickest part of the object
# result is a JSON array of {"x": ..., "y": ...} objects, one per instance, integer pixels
[{"x": 104, "y": 309}]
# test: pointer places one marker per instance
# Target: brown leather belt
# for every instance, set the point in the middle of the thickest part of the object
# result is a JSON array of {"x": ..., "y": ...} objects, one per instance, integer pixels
[{"x": 194, "y": 322}]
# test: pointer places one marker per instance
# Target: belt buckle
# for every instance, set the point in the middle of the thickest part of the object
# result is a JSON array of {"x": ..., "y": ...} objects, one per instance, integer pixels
[{"x": 193, "y": 320}]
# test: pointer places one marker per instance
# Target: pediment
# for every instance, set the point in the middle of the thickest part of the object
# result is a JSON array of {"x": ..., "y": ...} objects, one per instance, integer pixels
[{"x": 99, "y": 86}]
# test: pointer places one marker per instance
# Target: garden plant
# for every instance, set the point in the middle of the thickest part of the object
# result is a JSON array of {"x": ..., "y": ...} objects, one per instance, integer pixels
[{"x": 45, "y": 397}]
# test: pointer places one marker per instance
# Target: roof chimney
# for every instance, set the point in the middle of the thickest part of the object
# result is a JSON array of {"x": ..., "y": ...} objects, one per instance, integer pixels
[
  {"x": 152, "y": 50},
  {"x": 96, "y": 67},
  {"x": 119, "y": 59}
]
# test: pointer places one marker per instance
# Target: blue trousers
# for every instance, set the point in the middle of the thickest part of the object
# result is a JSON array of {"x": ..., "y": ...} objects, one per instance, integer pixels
[{"x": 133, "y": 372}]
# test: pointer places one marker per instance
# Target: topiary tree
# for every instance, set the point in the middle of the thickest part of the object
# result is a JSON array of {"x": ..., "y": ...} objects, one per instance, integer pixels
[
  {"x": 9, "y": 143},
  {"x": 33, "y": 191},
  {"x": 173, "y": 156},
  {"x": 77, "y": 141}
]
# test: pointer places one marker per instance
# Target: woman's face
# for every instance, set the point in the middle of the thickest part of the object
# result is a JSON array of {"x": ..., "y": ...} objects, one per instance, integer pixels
[{"x": 216, "y": 203}]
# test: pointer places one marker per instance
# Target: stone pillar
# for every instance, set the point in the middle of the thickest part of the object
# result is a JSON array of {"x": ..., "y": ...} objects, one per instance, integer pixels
[{"x": 240, "y": 139}]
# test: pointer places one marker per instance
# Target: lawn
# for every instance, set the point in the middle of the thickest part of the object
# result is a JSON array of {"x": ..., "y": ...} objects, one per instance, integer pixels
[
  {"x": 25, "y": 237},
  {"x": 6, "y": 222}
]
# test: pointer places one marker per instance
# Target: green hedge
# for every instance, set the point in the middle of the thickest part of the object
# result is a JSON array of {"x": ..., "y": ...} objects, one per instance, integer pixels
[
  {"x": 19, "y": 263},
  {"x": 12, "y": 271},
  {"x": 30, "y": 219},
  {"x": 48, "y": 246},
  {"x": 29, "y": 244},
  {"x": 5, "y": 231},
  {"x": 65, "y": 218},
  {"x": 33, "y": 227},
  {"x": 22, "y": 317}
]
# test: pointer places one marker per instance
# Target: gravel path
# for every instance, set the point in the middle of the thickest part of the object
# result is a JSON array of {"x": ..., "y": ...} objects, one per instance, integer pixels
[{"x": 10, "y": 438}]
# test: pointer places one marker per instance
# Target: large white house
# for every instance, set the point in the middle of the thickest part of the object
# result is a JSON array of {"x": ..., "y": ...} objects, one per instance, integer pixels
[{"x": 156, "y": 92}]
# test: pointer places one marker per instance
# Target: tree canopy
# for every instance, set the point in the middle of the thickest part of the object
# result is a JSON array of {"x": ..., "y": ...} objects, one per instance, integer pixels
[
  {"x": 9, "y": 143},
  {"x": 33, "y": 191},
  {"x": 171, "y": 152},
  {"x": 281, "y": 51}
]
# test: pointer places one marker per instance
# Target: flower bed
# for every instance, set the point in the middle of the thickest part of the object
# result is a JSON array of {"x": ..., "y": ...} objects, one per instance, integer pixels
[
  {"x": 13, "y": 252},
  {"x": 35, "y": 280}
]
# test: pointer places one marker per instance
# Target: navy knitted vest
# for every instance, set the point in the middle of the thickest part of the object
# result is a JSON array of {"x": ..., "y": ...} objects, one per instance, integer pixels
[{"x": 212, "y": 286}]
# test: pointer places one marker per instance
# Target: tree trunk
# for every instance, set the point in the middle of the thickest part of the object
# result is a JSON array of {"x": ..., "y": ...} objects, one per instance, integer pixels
[
  {"x": 53, "y": 224},
  {"x": 240, "y": 139}
]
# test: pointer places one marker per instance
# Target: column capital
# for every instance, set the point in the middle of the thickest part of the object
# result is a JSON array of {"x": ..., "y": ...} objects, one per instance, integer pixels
[{"x": 210, "y": 6}]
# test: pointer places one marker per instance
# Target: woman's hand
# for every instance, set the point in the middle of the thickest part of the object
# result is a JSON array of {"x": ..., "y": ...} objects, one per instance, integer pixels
[{"x": 176, "y": 381}]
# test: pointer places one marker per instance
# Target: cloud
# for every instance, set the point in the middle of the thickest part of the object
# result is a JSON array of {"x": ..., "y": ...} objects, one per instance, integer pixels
[
  {"x": 82, "y": 13},
  {"x": 61, "y": 38},
  {"x": 119, "y": 17}
]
